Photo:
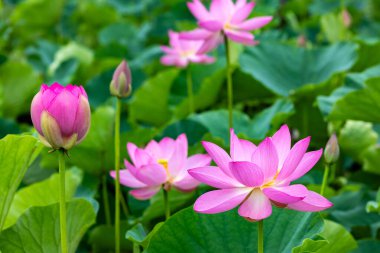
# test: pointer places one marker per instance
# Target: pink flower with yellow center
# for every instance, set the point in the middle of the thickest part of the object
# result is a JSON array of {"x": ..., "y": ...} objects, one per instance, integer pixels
[
  {"x": 182, "y": 52},
  {"x": 163, "y": 163},
  {"x": 224, "y": 17},
  {"x": 255, "y": 177}
]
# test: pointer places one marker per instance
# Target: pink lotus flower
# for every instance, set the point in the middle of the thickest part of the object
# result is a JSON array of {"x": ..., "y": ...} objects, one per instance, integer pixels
[
  {"x": 61, "y": 115},
  {"x": 160, "y": 164},
  {"x": 225, "y": 17},
  {"x": 182, "y": 52},
  {"x": 257, "y": 177}
]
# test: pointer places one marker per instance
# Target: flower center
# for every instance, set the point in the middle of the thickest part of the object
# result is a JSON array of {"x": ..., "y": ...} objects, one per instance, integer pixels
[
  {"x": 187, "y": 53},
  {"x": 271, "y": 182},
  {"x": 164, "y": 163}
]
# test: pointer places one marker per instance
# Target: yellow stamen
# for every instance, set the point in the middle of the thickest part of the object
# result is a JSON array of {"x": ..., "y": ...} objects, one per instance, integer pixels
[{"x": 164, "y": 163}]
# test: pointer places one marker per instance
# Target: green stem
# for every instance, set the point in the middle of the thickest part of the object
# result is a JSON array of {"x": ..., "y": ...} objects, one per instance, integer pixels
[
  {"x": 190, "y": 90},
  {"x": 166, "y": 204},
  {"x": 62, "y": 204},
  {"x": 325, "y": 178},
  {"x": 117, "y": 170},
  {"x": 260, "y": 237},
  {"x": 229, "y": 81},
  {"x": 136, "y": 248},
  {"x": 106, "y": 204},
  {"x": 124, "y": 205}
]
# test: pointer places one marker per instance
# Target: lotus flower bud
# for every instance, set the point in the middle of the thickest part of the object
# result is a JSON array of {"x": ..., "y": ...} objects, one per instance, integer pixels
[
  {"x": 61, "y": 115},
  {"x": 121, "y": 84},
  {"x": 332, "y": 150}
]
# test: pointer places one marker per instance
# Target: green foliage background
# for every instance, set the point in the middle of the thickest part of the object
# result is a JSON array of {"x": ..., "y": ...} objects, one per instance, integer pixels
[{"x": 311, "y": 71}]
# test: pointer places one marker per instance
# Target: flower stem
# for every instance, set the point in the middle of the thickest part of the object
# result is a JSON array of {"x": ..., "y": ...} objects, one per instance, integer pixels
[
  {"x": 62, "y": 204},
  {"x": 229, "y": 81},
  {"x": 117, "y": 170},
  {"x": 105, "y": 200},
  {"x": 190, "y": 90},
  {"x": 260, "y": 237},
  {"x": 166, "y": 204},
  {"x": 136, "y": 248},
  {"x": 325, "y": 178},
  {"x": 124, "y": 205}
]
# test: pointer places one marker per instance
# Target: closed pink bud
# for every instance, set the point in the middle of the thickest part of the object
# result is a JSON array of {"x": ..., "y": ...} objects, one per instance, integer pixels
[
  {"x": 332, "y": 150},
  {"x": 121, "y": 84},
  {"x": 61, "y": 115}
]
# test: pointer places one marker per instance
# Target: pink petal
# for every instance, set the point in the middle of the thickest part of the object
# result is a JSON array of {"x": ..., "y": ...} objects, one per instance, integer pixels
[
  {"x": 167, "y": 147},
  {"x": 177, "y": 161},
  {"x": 240, "y": 3},
  {"x": 282, "y": 141},
  {"x": 214, "y": 177},
  {"x": 312, "y": 203},
  {"x": 63, "y": 109},
  {"x": 307, "y": 163},
  {"x": 219, "y": 156},
  {"x": 221, "y": 9},
  {"x": 205, "y": 59},
  {"x": 210, "y": 43},
  {"x": 130, "y": 167},
  {"x": 266, "y": 158},
  {"x": 198, "y": 10},
  {"x": 127, "y": 179},
  {"x": 293, "y": 159},
  {"x": 286, "y": 194},
  {"x": 169, "y": 60},
  {"x": 240, "y": 150},
  {"x": 145, "y": 193},
  {"x": 245, "y": 38},
  {"x": 131, "y": 148},
  {"x": 211, "y": 25},
  {"x": 197, "y": 34},
  {"x": 187, "y": 183},
  {"x": 256, "y": 207},
  {"x": 247, "y": 173},
  {"x": 220, "y": 200},
  {"x": 255, "y": 23},
  {"x": 82, "y": 118},
  {"x": 174, "y": 40},
  {"x": 36, "y": 110},
  {"x": 198, "y": 160},
  {"x": 242, "y": 13},
  {"x": 168, "y": 50},
  {"x": 153, "y": 149},
  {"x": 152, "y": 174},
  {"x": 142, "y": 158}
]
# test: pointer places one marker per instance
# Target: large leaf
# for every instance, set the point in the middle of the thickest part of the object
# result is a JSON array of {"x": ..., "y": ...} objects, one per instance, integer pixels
[
  {"x": 188, "y": 231},
  {"x": 16, "y": 90},
  {"x": 41, "y": 194},
  {"x": 363, "y": 104},
  {"x": 366, "y": 246},
  {"x": 217, "y": 121},
  {"x": 39, "y": 229},
  {"x": 285, "y": 69},
  {"x": 150, "y": 102},
  {"x": 16, "y": 154}
]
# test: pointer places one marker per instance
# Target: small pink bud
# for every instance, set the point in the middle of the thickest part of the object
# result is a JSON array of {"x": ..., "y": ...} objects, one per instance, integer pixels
[
  {"x": 347, "y": 20},
  {"x": 121, "y": 84},
  {"x": 332, "y": 150},
  {"x": 61, "y": 115}
]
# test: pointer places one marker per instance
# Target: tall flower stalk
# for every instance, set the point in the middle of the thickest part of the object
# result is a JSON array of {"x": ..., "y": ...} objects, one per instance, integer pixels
[
  {"x": 190, "y": 94},
  {"x": 260, "y": 237},
  {"x": 62, "y": 200},
  {"x": 166, "y": 203},
  {"x": 61, "y": 115},
  {"x": 120, "y": 87},
  {"x": 229, "y": 82},
  {"x": 331, "y": 156}
]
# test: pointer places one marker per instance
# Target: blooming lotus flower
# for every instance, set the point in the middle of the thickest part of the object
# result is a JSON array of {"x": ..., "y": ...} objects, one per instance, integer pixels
[
  {"x": 255, "y": 177},
  {"x": 160, "y": 163},
  {"x": 182, "y": 52},
  {"x": 121, "y": 84},
  {"x": 61, "y": 115},
  {"x": 225, "y": 17}
]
